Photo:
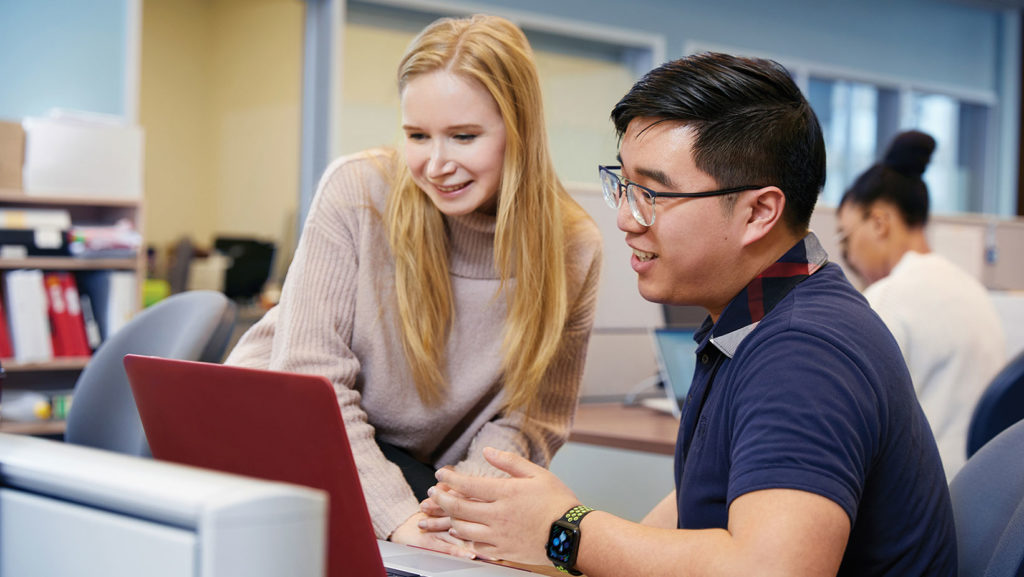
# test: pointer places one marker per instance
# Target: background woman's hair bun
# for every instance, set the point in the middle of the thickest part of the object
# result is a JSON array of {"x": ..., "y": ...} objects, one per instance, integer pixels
[{"x": 910, "y": 152}]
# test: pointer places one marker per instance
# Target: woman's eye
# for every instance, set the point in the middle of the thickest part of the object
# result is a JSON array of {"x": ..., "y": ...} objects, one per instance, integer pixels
[
  {"x": 416, "y": 136},
  {"x": 465, "y": 137}
]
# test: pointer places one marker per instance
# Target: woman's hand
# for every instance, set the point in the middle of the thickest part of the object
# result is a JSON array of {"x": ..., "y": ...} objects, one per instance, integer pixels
[{"x": 411, "y": 533}]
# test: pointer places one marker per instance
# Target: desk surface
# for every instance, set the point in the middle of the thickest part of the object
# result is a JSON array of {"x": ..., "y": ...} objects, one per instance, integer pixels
[{"x": 618, "y": 426}]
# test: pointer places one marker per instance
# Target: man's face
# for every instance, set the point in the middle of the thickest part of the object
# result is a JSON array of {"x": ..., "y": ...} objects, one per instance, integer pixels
[
  {"x": 686, "y": 256},
  {"x": 860, "y": 243}
]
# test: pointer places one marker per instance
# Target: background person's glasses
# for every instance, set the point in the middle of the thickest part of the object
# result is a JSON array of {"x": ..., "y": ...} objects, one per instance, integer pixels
[{"x": 641, "y": 198}]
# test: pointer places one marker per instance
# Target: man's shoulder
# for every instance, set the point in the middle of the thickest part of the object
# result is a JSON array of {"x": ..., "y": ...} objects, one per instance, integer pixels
[{"x": 826, "y": 309}]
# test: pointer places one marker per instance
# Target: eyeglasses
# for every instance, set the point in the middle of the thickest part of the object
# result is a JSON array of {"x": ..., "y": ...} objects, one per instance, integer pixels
[{"x": 643, "y": 210}]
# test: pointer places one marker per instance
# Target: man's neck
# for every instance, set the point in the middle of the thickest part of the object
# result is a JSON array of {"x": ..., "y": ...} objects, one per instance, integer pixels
[{"x": 756, "y": 258}]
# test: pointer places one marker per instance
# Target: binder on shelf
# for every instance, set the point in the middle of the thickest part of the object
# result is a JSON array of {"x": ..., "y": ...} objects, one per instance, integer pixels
[
  {"x": 6, "y": 349},
  {"x": 112, "y": 296},
  {"x": 66, "y": 324},
  {"x": 92, "y": 328},
  {"x": 28, "y": 314}
]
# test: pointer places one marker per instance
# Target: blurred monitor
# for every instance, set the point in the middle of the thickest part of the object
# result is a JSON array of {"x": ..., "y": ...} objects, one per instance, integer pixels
[{"x": 251, "y": 263}]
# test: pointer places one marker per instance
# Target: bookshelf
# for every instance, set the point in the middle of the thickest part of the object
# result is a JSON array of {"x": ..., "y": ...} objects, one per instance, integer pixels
[{"x": 61, "y": 373}]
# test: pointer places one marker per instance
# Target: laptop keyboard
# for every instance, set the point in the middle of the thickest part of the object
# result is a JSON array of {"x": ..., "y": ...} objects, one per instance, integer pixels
[{"x": 399, "y": 573}]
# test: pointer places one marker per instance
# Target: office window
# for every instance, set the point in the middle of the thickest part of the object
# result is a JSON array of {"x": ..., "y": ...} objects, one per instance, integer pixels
[
  {"x": 850, "y": 120},
  {"x": 859, "y": 119},
  {"x": 956, "y": 174}
]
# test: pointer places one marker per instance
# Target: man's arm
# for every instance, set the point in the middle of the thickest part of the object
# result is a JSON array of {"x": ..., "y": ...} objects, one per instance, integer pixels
[
  {"x": 664, "y": 515},
  {"x": 771, "y": 532}
]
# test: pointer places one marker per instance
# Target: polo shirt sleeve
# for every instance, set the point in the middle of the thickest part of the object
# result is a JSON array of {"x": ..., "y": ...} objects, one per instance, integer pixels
[{"x": 806, "y": 418}]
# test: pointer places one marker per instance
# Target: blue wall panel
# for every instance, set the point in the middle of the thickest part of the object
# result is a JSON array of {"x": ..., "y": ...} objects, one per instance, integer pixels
[{"x": 62, "y": 53}]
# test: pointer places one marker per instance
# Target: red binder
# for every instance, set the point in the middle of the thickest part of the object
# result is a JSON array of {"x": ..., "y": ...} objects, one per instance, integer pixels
[
  {"x": 6, "y": 349},
  {"x": 78, "y": 341},
  {"x": 67, "y": 326}
]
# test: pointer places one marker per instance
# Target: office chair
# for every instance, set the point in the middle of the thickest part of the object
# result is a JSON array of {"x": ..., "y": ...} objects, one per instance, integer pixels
[
  {"x": 1001, "y": 405},
  {"x": 988, "y": 507},
  {"x": 193, "y": 325}
]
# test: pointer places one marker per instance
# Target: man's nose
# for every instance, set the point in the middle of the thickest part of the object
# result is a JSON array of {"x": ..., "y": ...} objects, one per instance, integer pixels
[{"x": 625, "y": 220}]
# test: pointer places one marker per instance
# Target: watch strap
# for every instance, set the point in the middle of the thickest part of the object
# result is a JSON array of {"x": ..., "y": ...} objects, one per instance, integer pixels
[
  {"x": 573, "y": 516},
  {"x": 576, "y": 514}
]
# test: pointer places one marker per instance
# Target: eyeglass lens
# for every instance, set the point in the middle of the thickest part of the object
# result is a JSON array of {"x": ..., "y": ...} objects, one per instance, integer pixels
[{"x": 612, "y": 187}]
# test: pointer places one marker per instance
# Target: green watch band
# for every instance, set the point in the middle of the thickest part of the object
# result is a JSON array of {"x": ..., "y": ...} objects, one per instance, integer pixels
[{"x": 564, "y": 539}]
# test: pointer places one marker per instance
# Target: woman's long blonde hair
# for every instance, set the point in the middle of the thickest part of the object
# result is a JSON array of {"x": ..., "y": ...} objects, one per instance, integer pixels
[{"x": 529, "y": 237}]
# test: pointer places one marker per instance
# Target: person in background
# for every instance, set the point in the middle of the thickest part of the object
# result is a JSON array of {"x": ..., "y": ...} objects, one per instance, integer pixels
[
  {"x": 802, "y": 450},
  {"x": 449, "y": 290},
  {"x": 942, "y": 318}
]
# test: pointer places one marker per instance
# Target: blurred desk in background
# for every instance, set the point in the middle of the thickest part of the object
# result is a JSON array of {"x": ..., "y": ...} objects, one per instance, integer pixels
[{"x": 632, "y": 428}]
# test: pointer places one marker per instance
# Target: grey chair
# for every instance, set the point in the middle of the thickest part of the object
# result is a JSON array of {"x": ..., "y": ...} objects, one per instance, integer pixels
[
  {"x": 193, "y": 325},
  {"x": 1001, "y": 405},
  {"x": 988, "y": 507}
]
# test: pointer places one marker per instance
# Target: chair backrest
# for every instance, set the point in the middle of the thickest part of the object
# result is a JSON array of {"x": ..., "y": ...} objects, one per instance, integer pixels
[
  {"x": 193, "y": 325},
  {"x": 988, "y": 507},
  {"x": 1001, "y": 405}
]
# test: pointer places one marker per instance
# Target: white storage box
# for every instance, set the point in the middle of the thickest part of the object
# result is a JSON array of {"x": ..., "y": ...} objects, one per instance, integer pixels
[{"x": 77, "y": 157}]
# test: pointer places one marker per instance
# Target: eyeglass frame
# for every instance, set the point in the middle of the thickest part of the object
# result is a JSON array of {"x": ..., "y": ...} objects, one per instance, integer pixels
[{"x": 624, "y": 183}]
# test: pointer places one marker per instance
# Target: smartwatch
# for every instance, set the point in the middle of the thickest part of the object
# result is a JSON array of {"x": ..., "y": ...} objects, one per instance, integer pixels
[{"x": 564, "y": 539}]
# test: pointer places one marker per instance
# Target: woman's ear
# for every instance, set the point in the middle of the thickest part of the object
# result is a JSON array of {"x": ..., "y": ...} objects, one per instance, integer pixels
[
  {"x": 763, "y": 208},
  {"x": 880, "y": 219}
]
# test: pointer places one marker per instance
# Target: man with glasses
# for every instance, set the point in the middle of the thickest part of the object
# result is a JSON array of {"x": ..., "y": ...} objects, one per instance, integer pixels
[{"x": 802, "y": 449}]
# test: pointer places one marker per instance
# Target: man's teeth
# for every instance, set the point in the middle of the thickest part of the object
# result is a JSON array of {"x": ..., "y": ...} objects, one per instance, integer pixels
[{"x": 643, "y": 256}]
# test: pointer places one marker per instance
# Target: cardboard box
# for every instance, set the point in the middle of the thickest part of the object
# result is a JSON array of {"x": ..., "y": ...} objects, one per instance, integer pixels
[{"x": 12, "y": 154}]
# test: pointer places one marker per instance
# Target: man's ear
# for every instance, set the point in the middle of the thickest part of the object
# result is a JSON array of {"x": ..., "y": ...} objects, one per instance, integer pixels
[{"x": 763, "y": 209}]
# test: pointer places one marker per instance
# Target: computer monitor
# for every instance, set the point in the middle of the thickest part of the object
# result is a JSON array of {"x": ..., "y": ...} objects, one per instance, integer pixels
[
  {"x": 74, "y": 510},
  {"x": 676, "y": 353},
  {"x": 251, "y": 263}
]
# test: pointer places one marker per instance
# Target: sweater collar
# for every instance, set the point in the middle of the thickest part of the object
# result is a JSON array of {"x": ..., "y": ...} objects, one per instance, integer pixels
[{"x": 471, "y": 249}]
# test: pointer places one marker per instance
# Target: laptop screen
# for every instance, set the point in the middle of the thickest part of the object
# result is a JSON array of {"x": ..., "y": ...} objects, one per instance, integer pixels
[{"x": 677, "y": 360}]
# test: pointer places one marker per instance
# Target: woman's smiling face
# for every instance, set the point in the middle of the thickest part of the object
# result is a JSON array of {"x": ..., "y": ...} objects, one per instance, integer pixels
[{"x": 454, "y": 142}]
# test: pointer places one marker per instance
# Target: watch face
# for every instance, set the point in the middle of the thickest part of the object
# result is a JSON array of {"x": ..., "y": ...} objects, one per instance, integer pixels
[{"x": 562, "y": 543}]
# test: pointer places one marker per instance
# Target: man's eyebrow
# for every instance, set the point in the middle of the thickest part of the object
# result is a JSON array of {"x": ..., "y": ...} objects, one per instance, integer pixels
[{"x": 656, "y": 175}]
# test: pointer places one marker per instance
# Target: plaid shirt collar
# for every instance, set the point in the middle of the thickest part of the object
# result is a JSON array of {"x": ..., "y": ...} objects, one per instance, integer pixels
[{"x": 741, "y": 316}]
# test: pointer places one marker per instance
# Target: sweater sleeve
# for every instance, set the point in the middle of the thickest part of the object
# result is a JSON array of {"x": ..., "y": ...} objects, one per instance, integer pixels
[
  {"x": 311, "y": 329},
  {"x": 539, "y": 436}
]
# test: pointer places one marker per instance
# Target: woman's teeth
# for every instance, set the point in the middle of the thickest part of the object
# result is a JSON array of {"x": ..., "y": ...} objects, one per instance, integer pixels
[{"x": 450, "y": 188}]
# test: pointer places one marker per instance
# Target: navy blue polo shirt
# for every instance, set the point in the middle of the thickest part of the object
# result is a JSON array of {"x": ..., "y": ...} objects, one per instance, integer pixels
[{"x": 799, "y": 385}]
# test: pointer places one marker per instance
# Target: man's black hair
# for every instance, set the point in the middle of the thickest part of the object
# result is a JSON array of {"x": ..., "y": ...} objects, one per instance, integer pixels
[{"x": 752, "y": 124}]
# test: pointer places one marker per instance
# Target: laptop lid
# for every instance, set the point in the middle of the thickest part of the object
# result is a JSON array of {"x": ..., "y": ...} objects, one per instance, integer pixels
[
  {"x": 676, "y": 352},
  {"x": 278, "y": 426}
]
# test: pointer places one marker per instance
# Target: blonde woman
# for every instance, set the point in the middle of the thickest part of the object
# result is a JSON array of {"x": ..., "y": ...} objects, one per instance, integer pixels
[{"x": 448, "y": 290}]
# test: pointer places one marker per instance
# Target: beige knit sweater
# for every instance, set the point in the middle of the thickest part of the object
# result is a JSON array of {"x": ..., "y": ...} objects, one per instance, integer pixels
[{"x": 336, "y": 318}]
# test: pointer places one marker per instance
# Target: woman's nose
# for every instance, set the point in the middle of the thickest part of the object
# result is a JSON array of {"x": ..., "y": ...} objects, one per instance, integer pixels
[{"x": 439, "y": 164}]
